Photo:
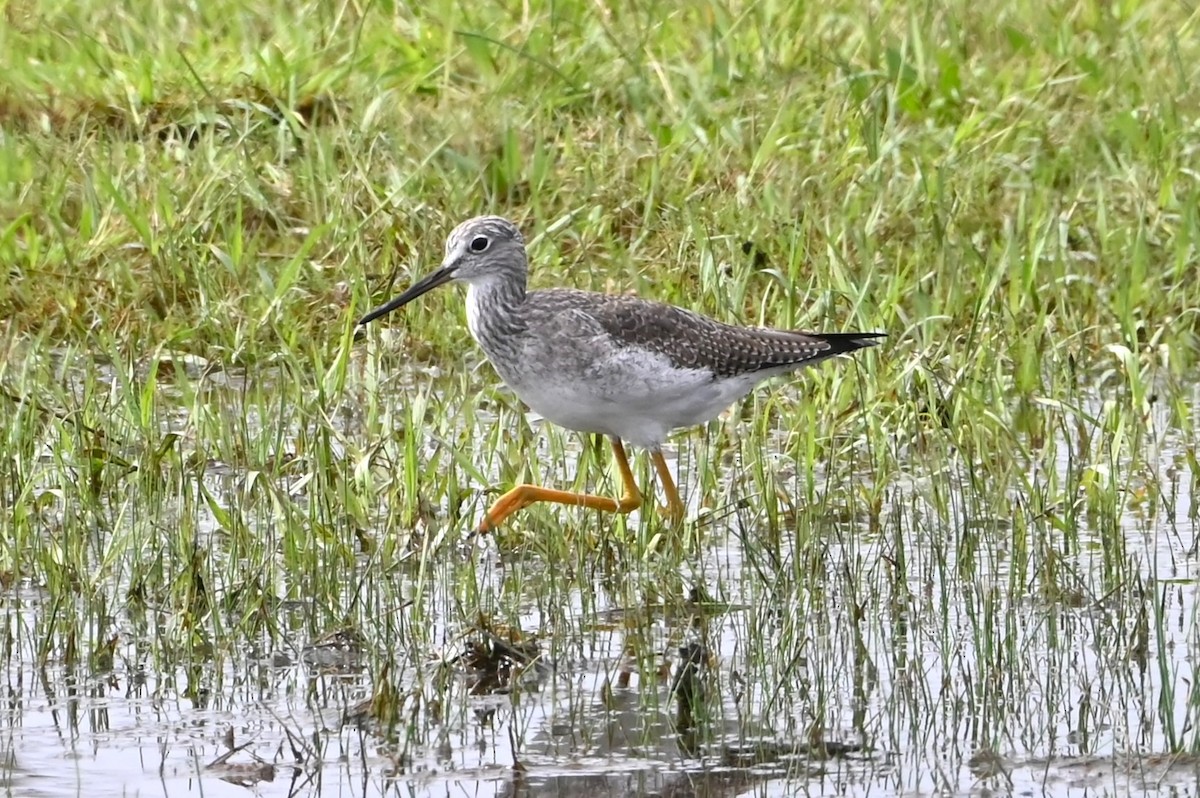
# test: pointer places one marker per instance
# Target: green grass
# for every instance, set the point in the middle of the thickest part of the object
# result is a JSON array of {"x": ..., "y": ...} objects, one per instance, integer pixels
[{"x": 202, "y": 460}]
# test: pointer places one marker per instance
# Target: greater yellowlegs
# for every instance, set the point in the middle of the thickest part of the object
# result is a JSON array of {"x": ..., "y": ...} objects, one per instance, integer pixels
[{"x": 626, "y": 367}]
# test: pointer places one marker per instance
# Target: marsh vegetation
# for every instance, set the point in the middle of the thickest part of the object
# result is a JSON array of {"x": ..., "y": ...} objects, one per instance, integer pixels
[{"x": 232, "y": 546}]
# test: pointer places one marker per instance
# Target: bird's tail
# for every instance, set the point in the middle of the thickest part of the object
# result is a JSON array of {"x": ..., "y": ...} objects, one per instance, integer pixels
[{"x": 841, "y": 343}]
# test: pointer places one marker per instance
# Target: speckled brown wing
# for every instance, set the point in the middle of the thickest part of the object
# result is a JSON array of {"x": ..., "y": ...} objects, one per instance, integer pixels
[{"x": 690, "y": 340}]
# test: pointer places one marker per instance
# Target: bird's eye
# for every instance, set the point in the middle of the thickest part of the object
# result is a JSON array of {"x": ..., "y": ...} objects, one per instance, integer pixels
[{"x": 480, "y": 243}]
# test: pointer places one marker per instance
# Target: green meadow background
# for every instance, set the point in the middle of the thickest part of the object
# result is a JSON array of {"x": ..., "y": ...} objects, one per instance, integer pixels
[{"x": 206, "y": 471}]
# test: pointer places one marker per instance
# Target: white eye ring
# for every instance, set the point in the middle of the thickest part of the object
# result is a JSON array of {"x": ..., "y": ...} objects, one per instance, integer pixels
[{"x": 480, "y": 243}]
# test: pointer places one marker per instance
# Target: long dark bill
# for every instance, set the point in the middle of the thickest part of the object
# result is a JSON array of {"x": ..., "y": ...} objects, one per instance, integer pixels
[{"x": 425, "y": 284}]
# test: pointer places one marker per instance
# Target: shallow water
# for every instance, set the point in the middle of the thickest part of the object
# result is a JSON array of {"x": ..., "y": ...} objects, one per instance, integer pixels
[{"x": 898, "y": 656}]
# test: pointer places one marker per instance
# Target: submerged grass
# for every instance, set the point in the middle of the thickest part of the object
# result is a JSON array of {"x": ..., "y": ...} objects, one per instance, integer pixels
[{"x": 958, "y": 556}]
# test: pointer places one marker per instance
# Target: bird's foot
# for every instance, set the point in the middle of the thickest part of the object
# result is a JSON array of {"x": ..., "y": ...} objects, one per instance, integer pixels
[{"x": 672, "y": 512}]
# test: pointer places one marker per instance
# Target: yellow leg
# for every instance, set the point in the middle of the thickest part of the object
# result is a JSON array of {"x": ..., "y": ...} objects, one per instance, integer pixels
[
  {"x": 673, "y": 509},
  {"x": 525, "y": 495}
]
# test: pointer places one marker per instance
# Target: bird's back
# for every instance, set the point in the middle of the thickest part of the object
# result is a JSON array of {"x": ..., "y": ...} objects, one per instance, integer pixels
[{"x": 686, "y": 339}]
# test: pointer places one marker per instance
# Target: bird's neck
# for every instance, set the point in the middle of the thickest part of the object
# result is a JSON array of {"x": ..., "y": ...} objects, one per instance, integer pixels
[{"x": 494, "y": 311}]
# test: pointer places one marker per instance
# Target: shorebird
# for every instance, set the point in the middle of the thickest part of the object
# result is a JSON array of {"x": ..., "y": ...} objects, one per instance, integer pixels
[{"x": 628, "y": 368}]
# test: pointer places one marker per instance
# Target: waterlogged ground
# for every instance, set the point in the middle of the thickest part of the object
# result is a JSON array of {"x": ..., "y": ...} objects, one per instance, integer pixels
[
  {"x": 960, "y": 638},
  {"x": 232, "y": 527}
]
